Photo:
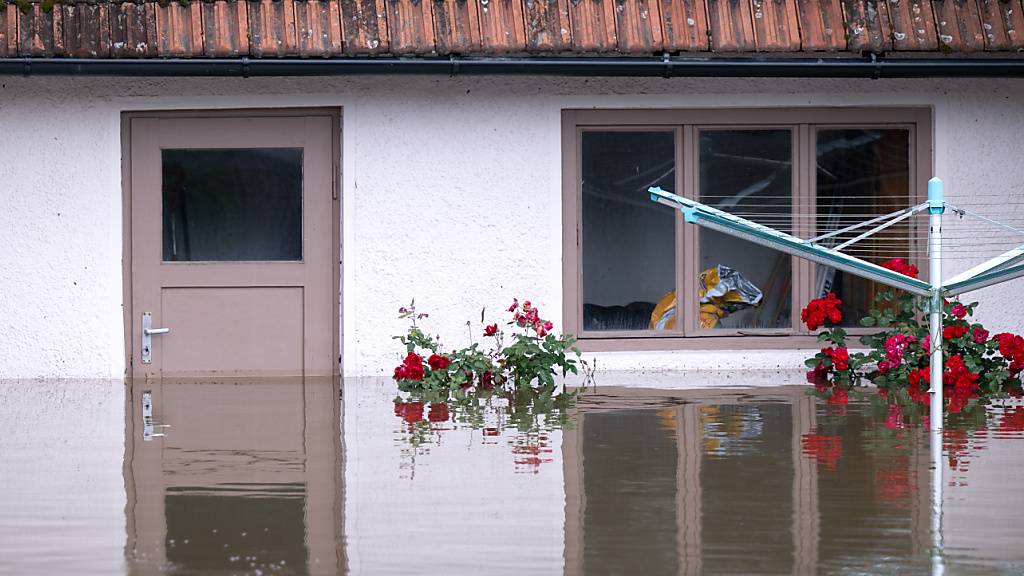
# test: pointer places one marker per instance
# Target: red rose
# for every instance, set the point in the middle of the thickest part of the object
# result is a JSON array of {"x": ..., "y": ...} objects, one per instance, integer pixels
[
  {"x": 959, "y": 310},
  {"x": 413, "y": 365},
  {"x": 515, "y": 304},
  {"x": 980, "y": 335},
  {"x": 840, "y": 357},
  {"x": 899, "y": 266},
  {"x": 438, "y": 362},
  {"x": 491, "y": 330},
  {"x": 954, "y": 331},
  {"x": 400, "y": 372},
  {"x": 819, "y": 310}
]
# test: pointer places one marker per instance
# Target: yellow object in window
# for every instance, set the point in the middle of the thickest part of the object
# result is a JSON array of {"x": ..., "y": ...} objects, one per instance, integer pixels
[{"x": 721, "y": 292}]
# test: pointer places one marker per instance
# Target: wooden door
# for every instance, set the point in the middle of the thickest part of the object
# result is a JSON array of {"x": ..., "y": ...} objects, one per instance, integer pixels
[{"x": 234, "y": 266}]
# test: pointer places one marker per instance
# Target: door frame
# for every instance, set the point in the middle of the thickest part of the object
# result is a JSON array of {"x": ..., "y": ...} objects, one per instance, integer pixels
[{"x": 126, "y": 208}]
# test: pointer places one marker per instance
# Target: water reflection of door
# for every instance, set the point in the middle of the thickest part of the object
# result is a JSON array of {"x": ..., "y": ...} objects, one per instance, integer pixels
[
  {"x": 671, "y": 491},
  {"x": 247, "y": 476}
]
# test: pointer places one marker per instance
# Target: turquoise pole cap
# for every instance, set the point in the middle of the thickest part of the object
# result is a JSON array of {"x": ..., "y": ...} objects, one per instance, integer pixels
[{"x": 936, "y": 196}]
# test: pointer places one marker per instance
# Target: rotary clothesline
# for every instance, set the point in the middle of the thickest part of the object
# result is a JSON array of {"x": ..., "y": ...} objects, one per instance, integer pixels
[{"x": 1006, "y": 266}]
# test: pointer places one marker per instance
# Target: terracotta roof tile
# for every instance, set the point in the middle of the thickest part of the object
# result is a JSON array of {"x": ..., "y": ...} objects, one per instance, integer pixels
[
  {"x": 913, "y": 25},
  {"x": 731, "y": 24},
  {"x": 456, "y": 26},
  {"x": 364, "y": 26},
  {"x": 821, "y": 25},
  {"x": 685, "y": 23},
  {"x": 547, "y": 25},
  {"x": 37, "y": 29},
  {"x": 1003, "y": 24},
  {"x": 775, "y": 25},
  {"x": 593, "y": 25},
  {"x": 502, "y": 28},
  {"x": 225, "y": 29},
  {"x": 868, "y": 28},
  {"x": 326, "y": 28},
  {"x": 8, "y": 31},
  {"x": 959, "y": 25}
]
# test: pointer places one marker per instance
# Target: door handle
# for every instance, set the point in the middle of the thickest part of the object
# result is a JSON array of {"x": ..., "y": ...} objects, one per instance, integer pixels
[{"x": 147, "y": 333}]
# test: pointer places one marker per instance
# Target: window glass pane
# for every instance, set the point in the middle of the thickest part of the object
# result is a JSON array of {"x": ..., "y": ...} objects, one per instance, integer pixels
[
  {"x": 741, "y": 284},
  {"x": 628, "y": 241},
  {"x": 861, "y": 173},
  {"x": 232, "y": 204}
]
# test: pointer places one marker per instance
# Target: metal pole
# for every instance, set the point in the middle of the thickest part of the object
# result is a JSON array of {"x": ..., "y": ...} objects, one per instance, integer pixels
[{"x": 936, "y": 206}]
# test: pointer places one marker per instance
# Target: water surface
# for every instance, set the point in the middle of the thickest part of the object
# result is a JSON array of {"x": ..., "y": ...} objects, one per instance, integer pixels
[{"x": 289, "y": 477}]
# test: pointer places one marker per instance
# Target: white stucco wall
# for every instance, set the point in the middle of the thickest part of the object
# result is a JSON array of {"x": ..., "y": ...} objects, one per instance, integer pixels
[{"x": 451, "y": 195}]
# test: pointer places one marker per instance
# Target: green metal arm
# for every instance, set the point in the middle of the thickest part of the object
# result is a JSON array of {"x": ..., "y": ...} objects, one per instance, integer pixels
[{"x": 703, "y": 215}]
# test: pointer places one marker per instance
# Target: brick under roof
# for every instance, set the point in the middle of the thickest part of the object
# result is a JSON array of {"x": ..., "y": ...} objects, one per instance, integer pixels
[{"x": 326, "y": 28}]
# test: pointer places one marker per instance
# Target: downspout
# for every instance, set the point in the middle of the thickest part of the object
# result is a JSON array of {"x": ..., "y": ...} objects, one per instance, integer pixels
[{"x": 871, "y": 66}]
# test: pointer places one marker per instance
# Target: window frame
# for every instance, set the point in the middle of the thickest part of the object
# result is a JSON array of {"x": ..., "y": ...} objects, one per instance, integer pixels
[{"x": 686, "y": 123}]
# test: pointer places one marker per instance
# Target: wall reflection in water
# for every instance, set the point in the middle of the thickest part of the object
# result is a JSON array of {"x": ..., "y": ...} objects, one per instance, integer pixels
[
  {"x": 232, "y": 477},
  {"x": 759, "y": 482}
]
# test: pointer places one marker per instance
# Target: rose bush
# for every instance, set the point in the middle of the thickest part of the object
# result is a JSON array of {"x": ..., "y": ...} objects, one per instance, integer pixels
[
  {"x": 524, "y": 368},
  {"x": 977, "y": 367}
]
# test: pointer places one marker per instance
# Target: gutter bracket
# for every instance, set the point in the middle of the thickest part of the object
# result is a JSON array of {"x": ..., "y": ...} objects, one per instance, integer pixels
[
  {"x": 667, "y": 60},
  {"x": 877, "y": 70},
  {"x": 455, "y": 66},
  {"x": 245, "y": 66},
  {"x": 26, "y": 67}
]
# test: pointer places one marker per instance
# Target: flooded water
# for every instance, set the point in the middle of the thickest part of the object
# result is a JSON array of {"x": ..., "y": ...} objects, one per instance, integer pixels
[{"x": 288, "y": 478}]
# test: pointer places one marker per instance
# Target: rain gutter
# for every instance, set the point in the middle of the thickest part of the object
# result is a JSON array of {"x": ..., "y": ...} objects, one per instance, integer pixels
[{"x": 871, "y": 66}]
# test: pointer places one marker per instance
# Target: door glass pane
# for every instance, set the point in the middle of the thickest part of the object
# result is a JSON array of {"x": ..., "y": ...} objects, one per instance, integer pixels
[
  {"x": 741, "y": 284},
  {"x": 628, "y": 241},
  {"x": 232, "y": 204},
  {"x": 861, "y": 173}
]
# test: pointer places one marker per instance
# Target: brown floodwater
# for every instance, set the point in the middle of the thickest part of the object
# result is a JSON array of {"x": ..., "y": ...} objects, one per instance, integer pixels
[{"x": 292, "y": 477}]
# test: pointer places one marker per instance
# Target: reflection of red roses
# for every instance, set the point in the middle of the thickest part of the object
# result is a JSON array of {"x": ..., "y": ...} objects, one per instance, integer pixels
[
  {"x": 438, "y": 412},
  {"x": 411, "y": 412},
  {"x": 438, "y": 362}
]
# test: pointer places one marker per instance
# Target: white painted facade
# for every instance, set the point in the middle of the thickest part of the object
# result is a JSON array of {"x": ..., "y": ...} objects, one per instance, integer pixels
[{"x": 451, "y": 193}]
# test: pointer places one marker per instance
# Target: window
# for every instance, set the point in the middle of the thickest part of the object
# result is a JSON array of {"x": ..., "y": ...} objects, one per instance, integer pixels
[{"x": 637, "y": 276}]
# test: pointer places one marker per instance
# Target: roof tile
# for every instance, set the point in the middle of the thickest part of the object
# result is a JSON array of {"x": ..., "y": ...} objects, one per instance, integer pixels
[
  {"x": 36, "y": 32},
  {"x": 821, "y": 25},
  {"x": 411, "y": 26},
  {"x": 86, "y": 30},
  {"x": 272, "y": 28},
  {"x": 731, "y": 25},
  {"x": 502, "y": 29},
  {"x": 133, "y": 30},
  {"x": 638, "y": 26},
  {"x": 8, "y": 31},
  {"x": 685, "y": 25},
  {"x": 456, "y": 26},
  {"x": 225, "y": 28},
  {"x": 867, "y": 25},
  {"x": 593, "y": 25},
  {"x": 547, "y": 25},
  {"x": 913, "y": 25},
  {"x": 959, "y": 25},
  {"x": 318, "y": 25},
  {"x": 775, "y": 25},
  {"x": 179, "y": 30},
  {"x": 1003, "y": 24},
  {"x": 364, "y": 26}
]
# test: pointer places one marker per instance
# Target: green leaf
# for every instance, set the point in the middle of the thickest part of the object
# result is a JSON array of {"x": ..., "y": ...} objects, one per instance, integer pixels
[{"x": 868, "y": 321}]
